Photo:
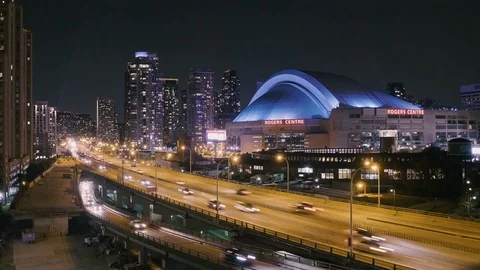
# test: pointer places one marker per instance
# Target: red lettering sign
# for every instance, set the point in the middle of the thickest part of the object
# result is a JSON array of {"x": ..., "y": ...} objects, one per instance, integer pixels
[
  {"x": 285, "y": 122},
  {"x": 405, "y": 112}
]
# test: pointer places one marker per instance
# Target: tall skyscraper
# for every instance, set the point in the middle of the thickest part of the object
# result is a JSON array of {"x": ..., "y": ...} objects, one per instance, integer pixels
[
  {"x": 470, "y": 97},
  {"x": 171, "y": 110},
  {"x": 227, "y": 101},
  {"x": 106, "y": 124},
  {"x": 45, "y": 130},
  {"x": 200, "y": 113},
  {"x": 16, "y": 127},
  {"x": 396, "y": 89},
  {"x": 183, "y": 114},
  {"x": 143, "y": 102}
]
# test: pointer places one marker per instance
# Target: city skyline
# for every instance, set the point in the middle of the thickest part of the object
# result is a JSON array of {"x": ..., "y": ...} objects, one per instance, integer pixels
[{"x": 318, "y": 40}]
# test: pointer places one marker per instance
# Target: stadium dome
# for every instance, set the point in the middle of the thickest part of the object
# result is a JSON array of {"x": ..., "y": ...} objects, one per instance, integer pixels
[{"x": 294, "y": 94}]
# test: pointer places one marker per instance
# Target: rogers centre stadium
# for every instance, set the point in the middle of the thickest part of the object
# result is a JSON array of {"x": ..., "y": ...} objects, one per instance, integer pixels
[{"x": 296, "y": 109}]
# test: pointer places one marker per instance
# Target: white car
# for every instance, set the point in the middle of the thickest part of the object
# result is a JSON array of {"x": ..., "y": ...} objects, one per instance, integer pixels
[
  {"x": 246, "y": 207},
  {"x": 213, "y": 204},
  {"x": 145, "y": 182},
  {"x": 140, "y": 171},
  {"x": 185, "y": 191},
  {"x": 180, "y": 183},
  {"x": 137, "y": 224}
]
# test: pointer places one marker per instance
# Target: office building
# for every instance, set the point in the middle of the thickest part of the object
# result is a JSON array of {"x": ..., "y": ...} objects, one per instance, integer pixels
[
  {"x": 16, "y": 127},
  {"x": 227, "y": 101},
  {"x": 396, "y": 89},
  {"x": 200, "y": 104},
  {"x": 45, "y": 130},
  {"x": 303, "y": 109},
  {"x": 106, "y": 121},
  {"x": 470, "y": 97},
  {"x": 143, "y": 102},
  {"x": 171, "y": 110}
]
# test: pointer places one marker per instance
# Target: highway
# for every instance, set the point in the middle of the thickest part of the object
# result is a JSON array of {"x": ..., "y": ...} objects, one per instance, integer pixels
[
  {"x": 277, "y": 214},
  {"x": 87, "y": 191}
]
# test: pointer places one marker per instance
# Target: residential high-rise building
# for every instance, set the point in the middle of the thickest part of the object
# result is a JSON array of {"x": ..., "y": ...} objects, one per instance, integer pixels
[
  {"x": 16, "y": 127},
  {"x": 106, "y": 124},
  {"x": 183, "y": 111},
  {"x": 121, "y": 132},
  {"x": 45, "y": 130},
  {"x": 396, "y": 89},
  {"x": 171, "y": 110},
  {"x": 227, "y": 101},
  {"x": 143, "y": 102},
  {"x": 200, "y": 113},
  {"x": 470, "y": 97}
]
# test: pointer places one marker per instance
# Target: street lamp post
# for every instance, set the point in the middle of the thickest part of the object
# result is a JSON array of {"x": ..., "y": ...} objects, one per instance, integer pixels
[
  {"x": 470, "y": 203},
  {"x": 280, "y": 158},
  {"x": 394, "y": 195},
  {"x": 185, "y": 147},
  {"x": 235, "y": 159},
  {"x": 350, "y": 238}
]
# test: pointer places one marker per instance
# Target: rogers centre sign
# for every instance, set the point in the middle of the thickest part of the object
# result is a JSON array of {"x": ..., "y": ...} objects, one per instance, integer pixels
[
  {"x": 404, "y": 112},
  {"x": 285, "y": 122}
]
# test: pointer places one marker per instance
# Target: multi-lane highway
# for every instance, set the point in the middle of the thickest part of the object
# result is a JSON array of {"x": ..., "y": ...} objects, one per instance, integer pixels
[
  {"x": 277, "y": 213},
  {"x": 187, "y": 242}
]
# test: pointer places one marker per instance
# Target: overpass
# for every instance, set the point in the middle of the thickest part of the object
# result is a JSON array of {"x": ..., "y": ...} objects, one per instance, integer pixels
[
  {"x": 419, "y": 240},
  {"x": 178, "y": 250}
]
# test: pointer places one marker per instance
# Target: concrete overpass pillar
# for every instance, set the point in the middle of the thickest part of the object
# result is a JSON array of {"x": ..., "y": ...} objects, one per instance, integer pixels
[{"x": 143, "y": 256}]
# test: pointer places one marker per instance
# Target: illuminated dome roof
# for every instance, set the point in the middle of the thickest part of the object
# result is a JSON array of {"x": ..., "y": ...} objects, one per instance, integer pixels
[{"x": 294, "y": 94}]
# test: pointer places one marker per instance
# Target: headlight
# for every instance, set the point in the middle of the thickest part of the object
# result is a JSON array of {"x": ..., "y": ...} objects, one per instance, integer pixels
[
  {"x": 241, "y": 258},
  {"x": 136, "y": 226},
  {"x": 144, "y": 225},
  {"x": 251, "y": 257}
]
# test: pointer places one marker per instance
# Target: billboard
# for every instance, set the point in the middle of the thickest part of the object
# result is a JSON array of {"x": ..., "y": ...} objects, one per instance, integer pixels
[{"x": 217, "y": 135}]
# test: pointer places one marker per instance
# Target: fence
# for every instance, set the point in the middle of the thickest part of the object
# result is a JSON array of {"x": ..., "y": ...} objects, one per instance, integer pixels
[{"x": 291, "y": 239}]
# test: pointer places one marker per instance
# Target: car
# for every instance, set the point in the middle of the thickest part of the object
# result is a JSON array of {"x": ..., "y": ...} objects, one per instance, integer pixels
[
  {"x": 213, "y": 204},
  {"x": 137, "y": 224},
  {"x": 140, "y": 171},
  {"x": 246, "y": 207},
  {"x": 185, "y": 191},
  {"x": 243, "y": 191},
  {"x": 180, "y": 183},
  {"x": 145, "y": 182},
  {"x": 101, "y": 167},
  {"x": 305, "y": 206},
  {"x": 370, "y": 245},
  {"x": 127, "y": 177},
  {"x": 237, "y": 256},
  {"x": 368, "y": 235}
]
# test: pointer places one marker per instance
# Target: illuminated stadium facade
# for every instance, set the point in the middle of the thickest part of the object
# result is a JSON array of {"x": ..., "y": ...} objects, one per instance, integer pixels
[{"x": 301, "y": 109}]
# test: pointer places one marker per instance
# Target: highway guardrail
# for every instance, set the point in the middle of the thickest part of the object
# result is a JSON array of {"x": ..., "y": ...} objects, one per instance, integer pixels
[{"x": 272, "y": 233}]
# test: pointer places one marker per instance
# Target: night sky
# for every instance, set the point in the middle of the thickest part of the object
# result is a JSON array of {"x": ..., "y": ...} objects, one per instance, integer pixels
[{"x": 81, "y": 47}]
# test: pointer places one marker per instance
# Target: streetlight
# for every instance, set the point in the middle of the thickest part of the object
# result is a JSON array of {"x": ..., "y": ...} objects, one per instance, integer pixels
[
  {"x": 361, "y": 185},
  {"x": 350, "y": 238},
  {"x": 281, "y": 157},
  {"x": 185, "y": 147},
  {"x": 394, "y": 195},
  {"x": 377, "y": 168},
  {"x": 234, "y": 159},
  {"x": 470, "y": 203}
]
